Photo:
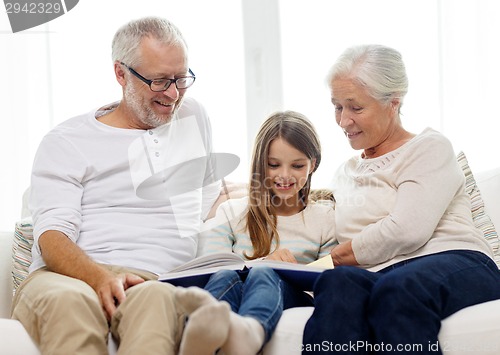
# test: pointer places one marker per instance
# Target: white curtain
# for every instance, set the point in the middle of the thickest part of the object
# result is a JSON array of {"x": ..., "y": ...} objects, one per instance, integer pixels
[{"x": 240, "y": 49}]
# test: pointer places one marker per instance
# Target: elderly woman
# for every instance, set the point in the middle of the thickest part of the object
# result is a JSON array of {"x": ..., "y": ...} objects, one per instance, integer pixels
[{"x": 409, "y": 254}]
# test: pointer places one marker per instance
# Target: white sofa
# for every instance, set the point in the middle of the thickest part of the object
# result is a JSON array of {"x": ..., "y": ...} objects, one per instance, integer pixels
[{"x": 474, "y": 330}]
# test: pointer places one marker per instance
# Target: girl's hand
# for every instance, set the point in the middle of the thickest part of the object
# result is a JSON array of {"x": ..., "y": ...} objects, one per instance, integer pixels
[{"x": 282, "y": 255}]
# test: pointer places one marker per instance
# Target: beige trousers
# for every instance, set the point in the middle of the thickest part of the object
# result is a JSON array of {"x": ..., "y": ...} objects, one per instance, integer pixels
[{"x": 64, "y": 316}]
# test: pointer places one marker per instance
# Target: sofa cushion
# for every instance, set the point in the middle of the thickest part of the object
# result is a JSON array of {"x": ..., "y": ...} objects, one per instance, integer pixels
[
  {"x": 15, "y": 340},
  {"x": 480, "y": 217},
  {"x": 489, "y": 185},
  {"x": 287, "y": 338},
  {"x": 5, "y": 275}
]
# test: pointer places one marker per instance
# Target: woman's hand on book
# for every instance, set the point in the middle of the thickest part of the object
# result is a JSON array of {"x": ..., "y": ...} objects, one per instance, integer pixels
[
  {"x": 343, "y": 254},
  {"x": 282, "y": 255}
]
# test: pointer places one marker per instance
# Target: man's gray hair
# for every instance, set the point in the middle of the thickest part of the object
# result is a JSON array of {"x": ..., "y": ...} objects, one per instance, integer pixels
[{"x": 128, "y": 38}]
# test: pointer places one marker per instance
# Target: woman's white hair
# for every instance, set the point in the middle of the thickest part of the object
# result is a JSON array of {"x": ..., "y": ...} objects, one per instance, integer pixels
[{"x": 379, "y": 69}]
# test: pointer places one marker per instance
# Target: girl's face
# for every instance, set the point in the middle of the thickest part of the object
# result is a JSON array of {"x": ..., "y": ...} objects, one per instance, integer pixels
[{"x": 286, "y": 174}]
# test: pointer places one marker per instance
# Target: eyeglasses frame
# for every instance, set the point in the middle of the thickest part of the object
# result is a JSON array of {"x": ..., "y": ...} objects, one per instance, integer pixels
[{"x": 170, "y": 81}]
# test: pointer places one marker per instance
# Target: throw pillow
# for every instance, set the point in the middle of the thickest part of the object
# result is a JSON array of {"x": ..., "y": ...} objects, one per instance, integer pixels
[
  {"x": 479, "y": 216},
  {"x": 21, "y": 251}
]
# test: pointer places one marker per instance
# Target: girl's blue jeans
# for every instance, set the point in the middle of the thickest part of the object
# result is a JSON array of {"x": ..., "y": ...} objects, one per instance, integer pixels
[
  {"x": 259, "y": 293},
  {"x": 398, "y": 309}
]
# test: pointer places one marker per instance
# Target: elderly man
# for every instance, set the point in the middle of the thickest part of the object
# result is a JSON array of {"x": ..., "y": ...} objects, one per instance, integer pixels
[{"x": 117, "y": 196}]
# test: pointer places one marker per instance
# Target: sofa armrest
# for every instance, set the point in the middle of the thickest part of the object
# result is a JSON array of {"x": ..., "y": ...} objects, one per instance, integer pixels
[
  {"x": 6, "y": 239},
  {"x": 488, "y": 183},
  {"x": 15, "y": 340}
]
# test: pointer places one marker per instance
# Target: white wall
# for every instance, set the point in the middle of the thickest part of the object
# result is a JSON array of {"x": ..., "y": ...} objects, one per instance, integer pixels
[
  {"x": 64, "y": 68},
  {"x": 252, "y": 57},
  {"x": 314, "y": 35}
]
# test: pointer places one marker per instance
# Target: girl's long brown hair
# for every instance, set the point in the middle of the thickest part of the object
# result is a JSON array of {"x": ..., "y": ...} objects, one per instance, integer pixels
[{"x": 261, "y": 220}]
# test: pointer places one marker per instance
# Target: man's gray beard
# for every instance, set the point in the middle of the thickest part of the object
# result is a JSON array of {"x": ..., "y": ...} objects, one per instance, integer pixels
[{"x": 142, "y": 112}]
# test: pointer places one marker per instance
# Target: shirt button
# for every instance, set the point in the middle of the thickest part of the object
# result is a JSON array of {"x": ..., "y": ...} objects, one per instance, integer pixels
[
  {"x": 157, "y": 154},
  {"x": 150, "y": 133},
  {"x": 156, "y": 141}
]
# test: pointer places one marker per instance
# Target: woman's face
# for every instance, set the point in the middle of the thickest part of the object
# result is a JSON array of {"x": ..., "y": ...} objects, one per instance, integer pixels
[{"x": 366, "y": 122}]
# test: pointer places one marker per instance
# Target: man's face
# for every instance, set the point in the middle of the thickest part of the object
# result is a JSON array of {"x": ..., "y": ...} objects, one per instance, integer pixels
[{"x": 152, "y": 109}]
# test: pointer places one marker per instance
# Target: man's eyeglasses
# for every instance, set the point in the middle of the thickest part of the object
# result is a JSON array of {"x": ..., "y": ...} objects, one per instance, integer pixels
[{"x": 158, "y": 85}]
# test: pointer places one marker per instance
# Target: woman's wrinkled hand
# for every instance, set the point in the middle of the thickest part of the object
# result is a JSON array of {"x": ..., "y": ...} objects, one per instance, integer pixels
[{"x": 343, "y": 254}]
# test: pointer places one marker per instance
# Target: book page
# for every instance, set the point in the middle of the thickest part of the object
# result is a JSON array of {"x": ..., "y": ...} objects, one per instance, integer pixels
[
  {"x": 325, "y": 262},
  {"x": 210, "y": 260}
]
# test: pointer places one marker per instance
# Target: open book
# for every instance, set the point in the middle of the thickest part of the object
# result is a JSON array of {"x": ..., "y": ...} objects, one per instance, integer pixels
[{"x": 197, "y": 271}]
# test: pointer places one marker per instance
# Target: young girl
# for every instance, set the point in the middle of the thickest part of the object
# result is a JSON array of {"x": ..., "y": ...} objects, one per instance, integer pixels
[{"x": 275, "y": 221}]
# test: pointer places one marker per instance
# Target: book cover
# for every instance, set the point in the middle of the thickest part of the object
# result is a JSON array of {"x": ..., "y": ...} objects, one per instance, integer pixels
[{"x": 197, "y": 271}]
